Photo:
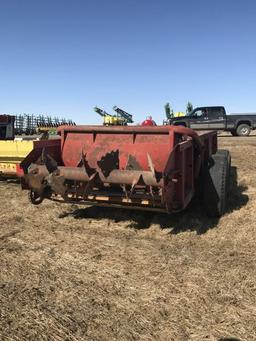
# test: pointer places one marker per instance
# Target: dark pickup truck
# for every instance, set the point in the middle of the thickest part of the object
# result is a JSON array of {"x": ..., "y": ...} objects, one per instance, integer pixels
[{"x": 215, "y": 118}]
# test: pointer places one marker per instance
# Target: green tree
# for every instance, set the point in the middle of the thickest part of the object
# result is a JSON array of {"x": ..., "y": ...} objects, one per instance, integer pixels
[
  {"x": 168, "y": 111},
  {"x": 189, "y": 107}
]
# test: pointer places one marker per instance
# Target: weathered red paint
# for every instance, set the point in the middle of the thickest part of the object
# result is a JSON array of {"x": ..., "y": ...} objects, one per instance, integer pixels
[{"x": 96, "y": 141}]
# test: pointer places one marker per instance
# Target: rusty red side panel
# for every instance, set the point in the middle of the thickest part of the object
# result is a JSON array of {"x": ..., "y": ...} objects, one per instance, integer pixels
[{"x": 95, "y": 142}]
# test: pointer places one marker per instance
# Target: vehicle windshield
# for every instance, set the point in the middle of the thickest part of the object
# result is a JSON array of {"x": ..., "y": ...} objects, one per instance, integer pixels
[{"x": 199, "y": 113}]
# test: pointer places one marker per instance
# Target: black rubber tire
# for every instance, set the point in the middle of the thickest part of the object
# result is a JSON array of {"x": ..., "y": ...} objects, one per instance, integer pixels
[
  {"x": 224, "y": 153},
  {"x": 215, "y": 184},
  {"x": 233, "y": 133},
  {"x": 243, "y": 130}
]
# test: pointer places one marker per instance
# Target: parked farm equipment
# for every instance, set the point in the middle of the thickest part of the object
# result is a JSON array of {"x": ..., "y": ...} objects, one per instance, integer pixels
[
  {"x": 153, "y": 168},
  {"x": 14, "y": 150},
  {"x": 121, "y": 118},
  {"x": 33, "y": 124}
]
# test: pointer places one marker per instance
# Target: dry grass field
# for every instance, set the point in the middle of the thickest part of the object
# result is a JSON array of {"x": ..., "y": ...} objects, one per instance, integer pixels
[{"x": 87, "y": 273}]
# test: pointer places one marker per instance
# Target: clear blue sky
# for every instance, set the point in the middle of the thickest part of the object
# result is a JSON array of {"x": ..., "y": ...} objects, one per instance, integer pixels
[{"x": 66, "y": 56}]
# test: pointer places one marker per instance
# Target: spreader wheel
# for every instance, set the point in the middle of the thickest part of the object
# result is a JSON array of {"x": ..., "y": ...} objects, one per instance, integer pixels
[
  {"x": 215, "y": 181},
  {"x": 35, "y": 198}
]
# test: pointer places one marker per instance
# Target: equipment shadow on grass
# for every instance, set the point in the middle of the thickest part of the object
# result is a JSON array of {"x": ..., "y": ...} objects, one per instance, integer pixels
[
  {"x": 193, "y": 218},
  {"x": 15, "y": 181}
]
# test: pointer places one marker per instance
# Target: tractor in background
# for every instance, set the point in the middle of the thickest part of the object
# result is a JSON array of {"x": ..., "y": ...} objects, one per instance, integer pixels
[{"x": 121, "y": 118}]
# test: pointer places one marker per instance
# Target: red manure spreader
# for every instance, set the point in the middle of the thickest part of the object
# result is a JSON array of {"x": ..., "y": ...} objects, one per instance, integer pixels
[{"x": 159, "y": 168}]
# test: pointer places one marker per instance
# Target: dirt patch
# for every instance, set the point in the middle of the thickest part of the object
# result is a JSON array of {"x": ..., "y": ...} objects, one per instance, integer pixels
[{"x": 87, "y": 273}]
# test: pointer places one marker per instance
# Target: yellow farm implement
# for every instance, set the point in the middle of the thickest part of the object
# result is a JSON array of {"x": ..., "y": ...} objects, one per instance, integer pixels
[{"x": 11, "y": 155}]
